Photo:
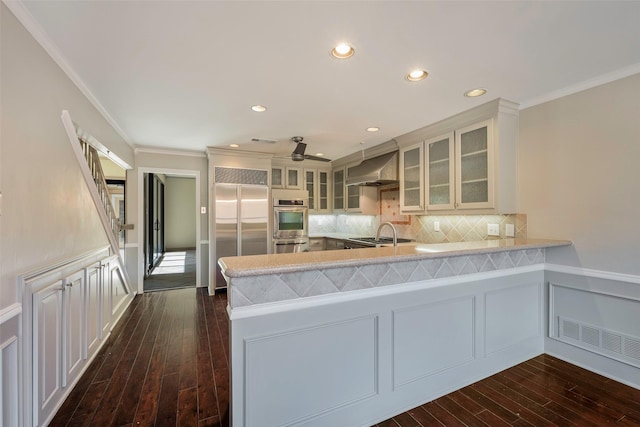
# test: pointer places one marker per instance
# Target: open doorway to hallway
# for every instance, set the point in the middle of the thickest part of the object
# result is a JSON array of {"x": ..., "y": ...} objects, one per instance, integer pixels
[{"x": 170, "y": 243}]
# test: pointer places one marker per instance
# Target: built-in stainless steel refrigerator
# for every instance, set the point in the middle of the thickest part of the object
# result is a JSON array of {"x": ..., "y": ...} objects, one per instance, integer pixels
[{"x": 241, "y": 222}]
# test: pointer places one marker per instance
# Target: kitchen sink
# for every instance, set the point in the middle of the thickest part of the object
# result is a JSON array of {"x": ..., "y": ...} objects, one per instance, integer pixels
[{"x": 380, "y": 241}]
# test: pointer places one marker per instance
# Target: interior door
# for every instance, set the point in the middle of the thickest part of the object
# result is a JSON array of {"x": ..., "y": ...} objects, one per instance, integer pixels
[{"x": 154, "y": 221}]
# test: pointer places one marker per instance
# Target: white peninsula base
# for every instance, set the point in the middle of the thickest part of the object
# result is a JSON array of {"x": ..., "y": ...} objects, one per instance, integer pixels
[{"x": 357, "y": 358}]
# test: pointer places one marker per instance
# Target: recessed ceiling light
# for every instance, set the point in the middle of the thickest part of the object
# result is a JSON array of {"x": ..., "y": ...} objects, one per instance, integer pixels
[
  {"x": 475, "y": 92},
  {"x": 234, "y": 145},
  {"x": 343, "y": 51},
  {"x": 417, "y": 75},
  {"x": 259, "y": 108},
  {"x": 319, "y": 154},
  {"x": 373, "y": 129}
]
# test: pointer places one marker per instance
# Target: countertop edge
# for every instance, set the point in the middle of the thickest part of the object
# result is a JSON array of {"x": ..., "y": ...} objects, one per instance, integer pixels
[{"x": 382, "y": 255}]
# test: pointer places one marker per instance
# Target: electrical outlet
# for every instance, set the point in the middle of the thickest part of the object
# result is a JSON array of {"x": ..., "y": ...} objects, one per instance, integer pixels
[
  {"x": 510, "y": 230},
  {"x": 436, "y": 225},
  {"x": 493, "y": 229}
]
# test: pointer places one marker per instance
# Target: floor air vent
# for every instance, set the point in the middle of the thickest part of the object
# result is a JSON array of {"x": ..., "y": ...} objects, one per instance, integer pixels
[{"x": 604, "y": 342}]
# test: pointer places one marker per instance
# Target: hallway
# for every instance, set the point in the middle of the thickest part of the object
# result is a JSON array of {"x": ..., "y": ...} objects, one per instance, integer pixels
[{"x": 177, "y": 269}]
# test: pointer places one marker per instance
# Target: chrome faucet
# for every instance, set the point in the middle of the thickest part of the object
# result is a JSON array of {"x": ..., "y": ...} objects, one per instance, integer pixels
[{"x": 395, "y": 233}]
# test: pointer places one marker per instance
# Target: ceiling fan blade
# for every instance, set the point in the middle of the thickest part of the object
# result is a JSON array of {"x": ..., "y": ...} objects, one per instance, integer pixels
[
  {"x": 300, "y": 148},
  {"x": 320, "y": 159}
]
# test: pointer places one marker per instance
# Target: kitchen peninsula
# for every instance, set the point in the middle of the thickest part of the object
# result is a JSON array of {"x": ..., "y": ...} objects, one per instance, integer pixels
[{"x": 353, "y": 337}]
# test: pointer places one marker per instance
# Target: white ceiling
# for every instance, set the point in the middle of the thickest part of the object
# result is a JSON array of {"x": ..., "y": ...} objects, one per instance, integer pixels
[{"x": 184, "y": 74}]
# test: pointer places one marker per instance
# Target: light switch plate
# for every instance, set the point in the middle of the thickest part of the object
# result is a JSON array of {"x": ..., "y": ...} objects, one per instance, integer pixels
[
  {"x": 510, "y": 230},
  {"x": 203, "y": 209},
  {"x": 493, "y": 229}
]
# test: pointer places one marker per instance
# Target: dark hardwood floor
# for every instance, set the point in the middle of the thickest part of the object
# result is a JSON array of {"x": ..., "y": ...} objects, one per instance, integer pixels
[{"x": 166, "y": 364}]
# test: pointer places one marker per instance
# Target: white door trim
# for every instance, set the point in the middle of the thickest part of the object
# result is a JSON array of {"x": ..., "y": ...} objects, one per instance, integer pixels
[{"x": 190, "y": 173}]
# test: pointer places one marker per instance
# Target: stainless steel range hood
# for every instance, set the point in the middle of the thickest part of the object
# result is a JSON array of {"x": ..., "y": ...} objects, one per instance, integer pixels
[{"x": 379, "y": 170}]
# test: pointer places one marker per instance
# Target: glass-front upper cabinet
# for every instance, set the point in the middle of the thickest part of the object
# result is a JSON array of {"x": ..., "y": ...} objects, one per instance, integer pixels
[
  {"x": 310, "y": 186},
  {"x": 338, "y": 189},
  {"x": 277, "y": 178},
  {"x": 439, "y": 153},
  {"x": 294, "y": 178},
  {"x": 474, "y": 166},
  {"x": 411, "y": 167},
  {"x": 323, "y": 191}
]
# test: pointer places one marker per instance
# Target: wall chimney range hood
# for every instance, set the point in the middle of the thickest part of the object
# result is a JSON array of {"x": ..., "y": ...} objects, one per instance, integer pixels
[{"x": 380, "y": 170}]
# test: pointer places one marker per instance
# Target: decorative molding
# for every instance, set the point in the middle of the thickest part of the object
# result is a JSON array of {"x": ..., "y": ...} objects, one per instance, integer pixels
[
  {"x": 37, "y": 32},
  {"x": 61, "y": 263},
  {"x": 584, "y": 85},
  {"x": 599, "y": 274},
  {"x": 10, "y": 312}
]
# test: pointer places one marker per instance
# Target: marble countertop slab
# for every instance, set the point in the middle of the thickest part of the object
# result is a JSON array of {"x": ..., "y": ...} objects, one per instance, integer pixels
[{"x": 256, "y": 265}]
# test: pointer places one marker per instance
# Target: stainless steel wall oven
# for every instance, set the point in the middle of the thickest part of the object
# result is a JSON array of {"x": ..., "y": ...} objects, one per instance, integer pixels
[{"x": 290, "y": 225}]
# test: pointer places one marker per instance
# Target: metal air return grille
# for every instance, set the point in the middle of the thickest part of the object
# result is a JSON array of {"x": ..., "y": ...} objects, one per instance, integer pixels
[
  {"x": 615, "y": 345},
  {"x": 240, "y": 176}
]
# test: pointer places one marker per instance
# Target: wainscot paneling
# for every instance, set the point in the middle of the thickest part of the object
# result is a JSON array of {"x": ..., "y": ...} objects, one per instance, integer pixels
[
  {"x": 594, "y": 322},
  {"x": 10, "y": 363},
  {"x": 357, "y": 358},
  {"x": 523, "y": 306},
  {"x": 323, "y": 356},
  {"x": 442, "y": 332}
]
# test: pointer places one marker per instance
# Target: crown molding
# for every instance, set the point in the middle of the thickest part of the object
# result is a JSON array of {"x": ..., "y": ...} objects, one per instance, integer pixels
[
  {"x": 27, "y": 20},
  {"x": 584, "y": 85},
  {"x": 168, "y": 151}
]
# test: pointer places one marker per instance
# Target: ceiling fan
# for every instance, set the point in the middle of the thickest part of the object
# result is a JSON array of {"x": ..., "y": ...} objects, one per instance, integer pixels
[{"x": 298, "y": 153}]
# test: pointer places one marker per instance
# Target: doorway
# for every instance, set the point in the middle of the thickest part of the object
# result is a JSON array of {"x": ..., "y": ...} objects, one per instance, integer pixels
[{"x": 169, "y": 215}]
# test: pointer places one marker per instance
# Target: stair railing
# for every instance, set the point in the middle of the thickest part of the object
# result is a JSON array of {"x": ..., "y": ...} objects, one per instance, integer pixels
[{"x": 91, "y": 169}]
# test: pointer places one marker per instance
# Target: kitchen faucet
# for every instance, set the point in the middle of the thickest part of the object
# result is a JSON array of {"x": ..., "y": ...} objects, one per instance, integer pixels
[{"x": 395, "y": 233}]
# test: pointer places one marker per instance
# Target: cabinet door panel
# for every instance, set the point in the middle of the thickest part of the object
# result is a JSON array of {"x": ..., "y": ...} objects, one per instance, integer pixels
[
  {"x": 474, "y": 166},
  {"x": 439, "y": 154},
  {"x": 338, "y": 189},
  {"x": 310, "y": 186},
  {"x": 323, "y": 191},
  {"x": 47, "y": 346},
  {"x": 411, "y": 183},
  {"x": 74, "y": 326},
  {"x": 92, "y": 297}
]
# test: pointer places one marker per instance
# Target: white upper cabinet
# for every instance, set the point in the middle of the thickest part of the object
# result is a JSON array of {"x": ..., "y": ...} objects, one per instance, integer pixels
[
  {"x": 470, "y": 163},
  {"x": 411, "y": 183},
  {"x": 439, "y": 178},
  {"x": 316, "y": 182},
  {"x": 277, "y": 177},
  {"x": 293, "y": 178},
  {"x": 474, "y": 166},
  {"x": 338, "y": 190}
]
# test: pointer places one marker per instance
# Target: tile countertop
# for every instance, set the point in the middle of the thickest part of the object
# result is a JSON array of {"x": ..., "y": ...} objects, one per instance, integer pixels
[{"x": 256, "y": 265}]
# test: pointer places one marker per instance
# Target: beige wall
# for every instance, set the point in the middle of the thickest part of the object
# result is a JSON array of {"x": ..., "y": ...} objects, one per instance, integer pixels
[
  {"x": 48, "y": 214},
  {"x": 180, "y": 212},
  {"x": 579, "y": 175}
]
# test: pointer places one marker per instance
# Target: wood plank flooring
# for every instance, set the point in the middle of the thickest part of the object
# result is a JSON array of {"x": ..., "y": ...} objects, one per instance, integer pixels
[{"x": 166, "y": 364}]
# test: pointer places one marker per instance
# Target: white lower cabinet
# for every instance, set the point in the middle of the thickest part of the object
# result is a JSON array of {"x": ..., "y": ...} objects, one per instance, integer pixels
[
  {"x": 48, "y": 326},
  {"x": 74, "y": 309},
  {"x": 105, "y": 300},
  {"x": 71, "y": 314}
]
